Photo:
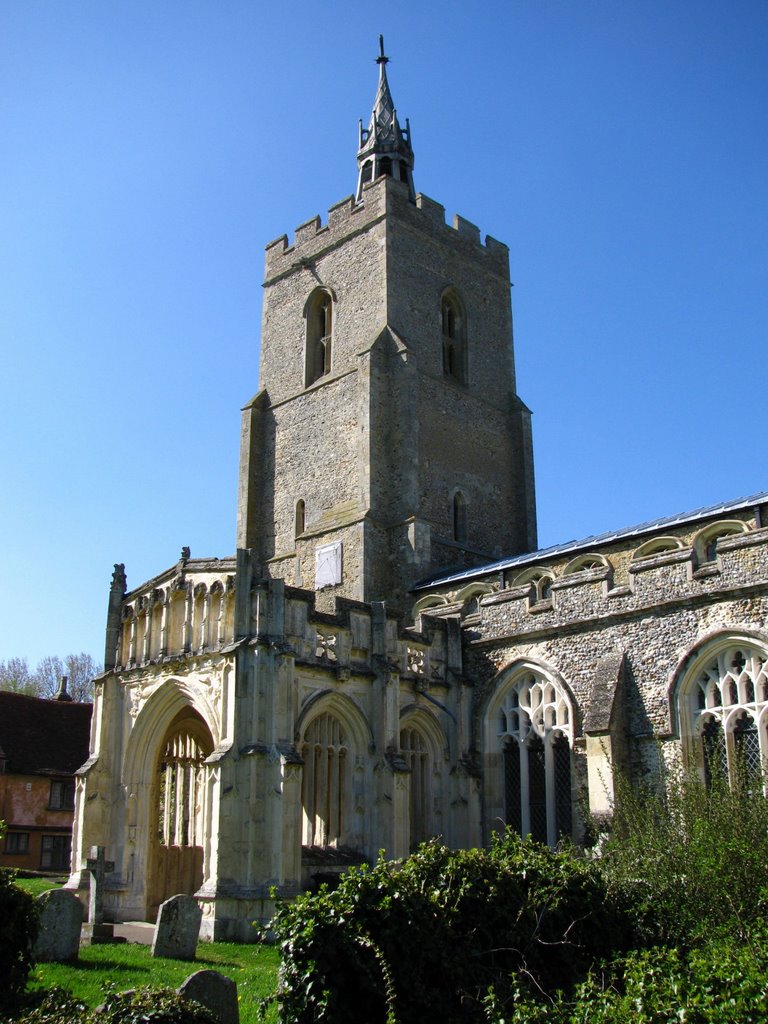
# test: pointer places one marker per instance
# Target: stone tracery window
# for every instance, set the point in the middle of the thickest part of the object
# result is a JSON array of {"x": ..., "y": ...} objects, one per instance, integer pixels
[
  {"x": 534, "y": 729},
  {"x": 728, "y": 704}
]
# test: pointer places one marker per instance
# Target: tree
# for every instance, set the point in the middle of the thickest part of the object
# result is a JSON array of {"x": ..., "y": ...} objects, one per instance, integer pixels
[
  {"x": 80, "y": 670},
  {"x": 16, "y": 676}
]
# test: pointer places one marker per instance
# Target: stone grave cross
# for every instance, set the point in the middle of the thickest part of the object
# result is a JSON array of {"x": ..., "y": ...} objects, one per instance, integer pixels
[{"x": 98, "y": 867}]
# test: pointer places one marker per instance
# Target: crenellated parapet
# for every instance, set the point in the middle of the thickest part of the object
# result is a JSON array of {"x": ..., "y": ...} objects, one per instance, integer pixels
[{"x": 313, "y": 239}]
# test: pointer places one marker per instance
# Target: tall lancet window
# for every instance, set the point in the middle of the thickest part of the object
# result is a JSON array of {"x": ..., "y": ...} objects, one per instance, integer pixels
[
  {"x": 319, "y": 314},
  {"x": 454, "y": 338},
  {"x": 300, "y": 518}
]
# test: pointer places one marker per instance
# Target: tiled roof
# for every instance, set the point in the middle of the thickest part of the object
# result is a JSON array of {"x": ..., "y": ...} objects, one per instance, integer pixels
[
  {"x": 588, "y": 543},
  {"x": 43, "y": 737}
]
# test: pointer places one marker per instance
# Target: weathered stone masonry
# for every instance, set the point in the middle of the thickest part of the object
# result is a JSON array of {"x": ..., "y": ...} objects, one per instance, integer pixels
[{"x": 386, "y": 657}]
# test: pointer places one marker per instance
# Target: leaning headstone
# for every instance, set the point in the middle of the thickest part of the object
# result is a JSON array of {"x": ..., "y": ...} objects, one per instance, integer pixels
[
  {"x": 61, "y": 921},
  {"x": 178, "y": 926},
  {"x": 215, "y": 992}
]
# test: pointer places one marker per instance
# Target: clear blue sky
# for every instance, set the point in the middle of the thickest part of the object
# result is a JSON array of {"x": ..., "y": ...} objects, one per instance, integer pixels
[{"x": 153, "y": 147}]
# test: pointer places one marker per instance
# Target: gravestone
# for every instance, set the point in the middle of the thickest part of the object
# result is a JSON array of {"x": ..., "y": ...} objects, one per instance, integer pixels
[
  {"x": 215, "y": 992},
  {"x": 61, "y": 922},
  {"x": 98, "y": 867},
  {"x": 178, "y": 927}
]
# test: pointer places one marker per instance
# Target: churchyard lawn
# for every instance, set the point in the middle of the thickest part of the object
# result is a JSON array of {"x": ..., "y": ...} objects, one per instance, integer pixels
[{"x": 130, "y": 965}]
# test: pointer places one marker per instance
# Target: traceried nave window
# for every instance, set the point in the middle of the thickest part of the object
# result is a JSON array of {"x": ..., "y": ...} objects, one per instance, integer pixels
[
  {"x": 729, "y": 705},
  {"x": 534, "y": 727}
]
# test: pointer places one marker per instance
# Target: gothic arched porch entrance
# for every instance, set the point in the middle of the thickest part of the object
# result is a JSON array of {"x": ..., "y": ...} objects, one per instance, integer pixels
[{"x": 178, "y": 803}]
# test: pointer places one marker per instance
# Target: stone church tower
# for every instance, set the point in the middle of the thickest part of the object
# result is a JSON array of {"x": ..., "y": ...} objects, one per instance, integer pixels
[
  {"x": 387, "y": 441},
  {"x": 386, "y": 658}
]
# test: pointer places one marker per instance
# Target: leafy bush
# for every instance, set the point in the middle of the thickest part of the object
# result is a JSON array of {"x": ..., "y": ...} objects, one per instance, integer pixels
[
  {"x": 18, "y": 931},
  {"x": 722, "y": 982},
  {"x": 689, "y": 860},
  {"x": 424, "y": 940}
]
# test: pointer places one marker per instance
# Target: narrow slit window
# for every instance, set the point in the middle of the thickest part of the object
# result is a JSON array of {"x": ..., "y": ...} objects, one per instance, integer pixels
[{"x": 459, "y": 518}]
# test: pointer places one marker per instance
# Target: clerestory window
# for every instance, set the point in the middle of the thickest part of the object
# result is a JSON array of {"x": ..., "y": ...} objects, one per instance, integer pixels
[{"x": 319, "y": 316}]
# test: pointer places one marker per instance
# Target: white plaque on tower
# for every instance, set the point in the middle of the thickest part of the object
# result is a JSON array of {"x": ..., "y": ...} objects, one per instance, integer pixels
[{"x": 328, "y": 565}]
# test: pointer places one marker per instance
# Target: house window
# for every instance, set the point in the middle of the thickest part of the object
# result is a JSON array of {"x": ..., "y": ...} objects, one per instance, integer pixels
[
  {"x": 62, "y": 795},
  {"x": 454, "y": 339},
  {"x": 319, "y": 315},
  {"x": 325, "y": 781},
  {"x": 55, "y": 853},
  {"x": 534, "y": 730},
  {"x": 17, "y": 842},
  {"x": 727, "y": 700}
]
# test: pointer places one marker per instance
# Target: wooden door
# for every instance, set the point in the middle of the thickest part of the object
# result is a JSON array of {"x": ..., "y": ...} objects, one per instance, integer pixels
[{"x": 176, "y": 853}]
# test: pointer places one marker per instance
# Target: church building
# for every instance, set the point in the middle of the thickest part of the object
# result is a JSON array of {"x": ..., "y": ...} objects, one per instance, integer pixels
[{"x": 387, "y": 656}]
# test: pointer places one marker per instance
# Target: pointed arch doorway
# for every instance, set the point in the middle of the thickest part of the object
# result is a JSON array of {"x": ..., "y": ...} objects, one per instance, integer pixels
[{"x": 178, "y": 810}]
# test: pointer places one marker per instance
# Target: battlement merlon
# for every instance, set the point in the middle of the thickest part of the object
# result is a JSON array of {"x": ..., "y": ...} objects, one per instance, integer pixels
[{"x": 313, "y": 239}]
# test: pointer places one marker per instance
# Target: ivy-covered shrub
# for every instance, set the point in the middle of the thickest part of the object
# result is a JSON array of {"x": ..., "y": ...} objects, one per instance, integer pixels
[
  {"x": 424, "y": 940},
  {"x": 18, "y": 931},
  {"x": 159, "y": 1006},
  {"x": 54, "y": 1006}
]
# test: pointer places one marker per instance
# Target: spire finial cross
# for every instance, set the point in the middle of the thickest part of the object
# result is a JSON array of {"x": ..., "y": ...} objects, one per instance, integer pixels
[{"x": 381, "y": 59}]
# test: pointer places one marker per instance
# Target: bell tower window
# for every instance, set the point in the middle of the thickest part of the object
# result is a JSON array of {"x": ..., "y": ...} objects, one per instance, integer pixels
[
  {"x": 459, "y": 518},
  {"x": 319, "y": 317},
  {"x": 454, "y": 338},
  {"x": 300, "y": 517}
]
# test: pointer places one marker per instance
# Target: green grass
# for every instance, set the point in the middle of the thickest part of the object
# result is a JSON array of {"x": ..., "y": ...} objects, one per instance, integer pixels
[
  {"x": 35, "y": 886},
  {"x": 130, "y": 965}
]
